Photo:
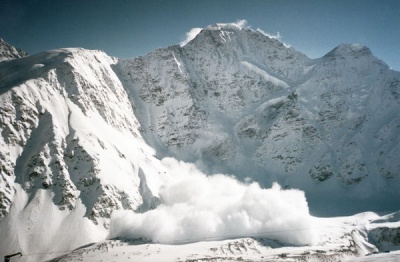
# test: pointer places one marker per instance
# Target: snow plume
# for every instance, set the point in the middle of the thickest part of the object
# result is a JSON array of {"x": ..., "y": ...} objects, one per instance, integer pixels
[
  {"x": 190, "y": 35},
  {"x": 196, "y": 207},
  {"x": 277, "y": 36},
  {"x": 195, "y": 31},
  {"x": 241, "y": 23}
]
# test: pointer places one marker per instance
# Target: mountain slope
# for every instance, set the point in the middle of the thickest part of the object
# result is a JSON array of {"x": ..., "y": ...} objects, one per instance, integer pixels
[
  {"x": 236, "y": 101},
  {"x": 70, "y": 151}
]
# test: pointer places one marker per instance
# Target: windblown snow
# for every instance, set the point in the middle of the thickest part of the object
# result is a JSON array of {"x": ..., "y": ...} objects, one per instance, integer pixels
[
  {"x": 225, "y": 144},
  {"x": 195, "y": 207}
]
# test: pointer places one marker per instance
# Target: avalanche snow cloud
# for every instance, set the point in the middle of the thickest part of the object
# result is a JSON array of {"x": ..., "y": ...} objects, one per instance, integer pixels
[
  {"x": 196, "y": 207},
  {"x": 190, "y": 35}
]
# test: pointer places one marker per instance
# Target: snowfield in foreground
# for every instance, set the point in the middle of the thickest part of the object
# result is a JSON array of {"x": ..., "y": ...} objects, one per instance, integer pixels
[{"x": 363, "y": 237}]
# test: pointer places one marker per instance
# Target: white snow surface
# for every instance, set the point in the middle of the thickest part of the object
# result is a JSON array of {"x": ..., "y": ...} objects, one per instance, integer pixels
[
  {"x": 339, "y": 239},
  {"x": 196, "y": 207},
  {"x": 218, "y": 149},
  {"x": 71, "y": 152}
]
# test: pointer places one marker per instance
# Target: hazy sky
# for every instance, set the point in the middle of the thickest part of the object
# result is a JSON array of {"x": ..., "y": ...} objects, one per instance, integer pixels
[{"x": 129, "y": 28}]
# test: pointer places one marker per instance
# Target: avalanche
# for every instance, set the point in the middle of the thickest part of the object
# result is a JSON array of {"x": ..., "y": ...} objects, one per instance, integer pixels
[{"x": 195, "y": 207}]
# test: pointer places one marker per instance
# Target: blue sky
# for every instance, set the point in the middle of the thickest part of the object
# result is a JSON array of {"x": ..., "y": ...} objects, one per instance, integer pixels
[{"x": 129, "y": 28}]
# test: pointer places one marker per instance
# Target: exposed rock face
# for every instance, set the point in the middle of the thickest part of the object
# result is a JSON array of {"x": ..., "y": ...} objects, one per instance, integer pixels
[
  {"x": 236, "y": 101},
  {"x": 7, "y": 51},
  {"x": 70, "y": 150},
  {"x": 67, "y": 127}
]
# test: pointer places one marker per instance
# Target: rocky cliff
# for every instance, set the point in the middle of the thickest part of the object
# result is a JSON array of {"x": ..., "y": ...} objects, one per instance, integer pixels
[{"x": 234, "y": 100}]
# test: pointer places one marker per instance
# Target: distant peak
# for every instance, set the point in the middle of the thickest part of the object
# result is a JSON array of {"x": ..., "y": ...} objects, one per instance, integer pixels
[
  {"x": 349, "y": 50},
  {"x": 238, "y": 28},
  {"x": 8, "y": 51},
  {"x": 351, "y": 47}
]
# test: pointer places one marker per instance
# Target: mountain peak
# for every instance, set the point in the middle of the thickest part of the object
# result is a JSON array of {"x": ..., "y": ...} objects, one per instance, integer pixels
[
  {"x": 349, "y": 50},
  {"x": 8, "y": 51},
  {"x": 215, "y": 29},
  {"x": 233, "y": 35}
]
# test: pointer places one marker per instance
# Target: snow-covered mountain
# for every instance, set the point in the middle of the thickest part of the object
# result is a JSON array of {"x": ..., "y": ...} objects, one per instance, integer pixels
[
  {"x": 7, "y": 51},
  {"x": 70, "y": 151},
  {"x": 82, "y": 135},
  {"x": 234, "y": 100}
]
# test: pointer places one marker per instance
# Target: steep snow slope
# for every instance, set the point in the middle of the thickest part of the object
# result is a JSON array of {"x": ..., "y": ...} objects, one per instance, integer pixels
[
  {"x": 236, "y": 101},
  {"x": 7, "y": 51},
  {"x": 70, "y": 152}
]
